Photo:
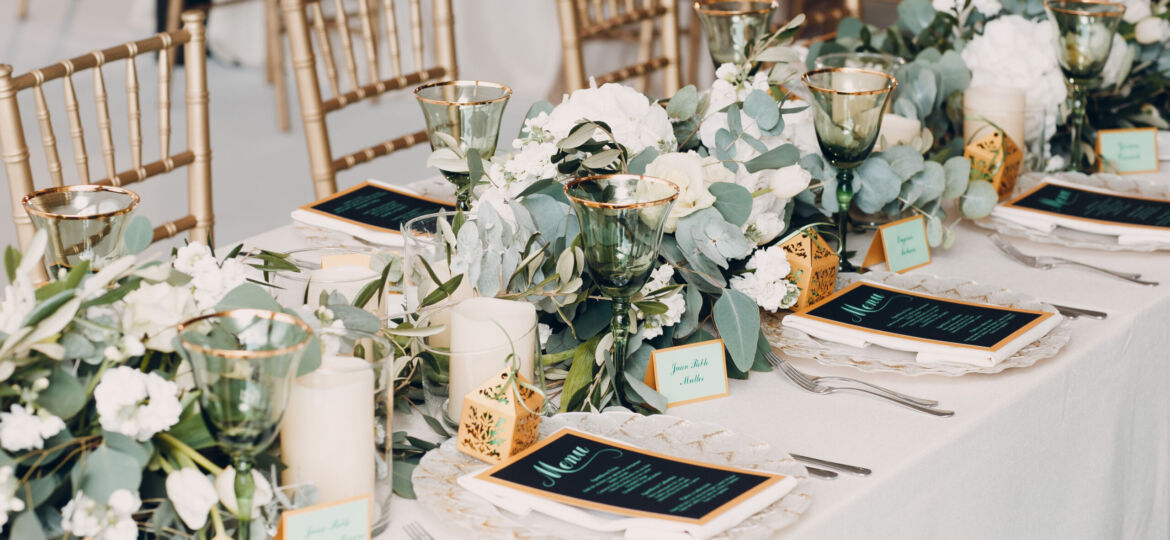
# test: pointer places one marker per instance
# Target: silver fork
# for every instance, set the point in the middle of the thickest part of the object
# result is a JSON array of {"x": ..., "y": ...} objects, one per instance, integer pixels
[
  {"x": 774, "y": 359},
  {"x": 416, "y": 531},
  {"x": 1045, "y": 263},
  {"x": 816, "y": 388}
]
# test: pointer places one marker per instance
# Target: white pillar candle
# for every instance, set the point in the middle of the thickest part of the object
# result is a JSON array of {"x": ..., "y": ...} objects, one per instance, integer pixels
[
  {"x": 484, "y": 331},
  {"x": 992, "y": 104},
  {"x": 327, "y": 434},
  {"x": 897, "y": 129},
  {"x": 415, "y": 293}
]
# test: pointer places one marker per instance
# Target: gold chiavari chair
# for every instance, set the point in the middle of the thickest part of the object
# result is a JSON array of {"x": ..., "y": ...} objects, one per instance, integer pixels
[
  {"x": 822, "y": 16},
  {"x": 22, "y": 8},
  {"x": 197, "y": 156},
  {"x": 305, "y": 17},
  {"x": 583, "y": 20}
]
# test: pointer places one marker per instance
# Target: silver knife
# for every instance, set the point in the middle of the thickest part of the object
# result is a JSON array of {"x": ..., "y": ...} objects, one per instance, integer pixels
[
  {"x": 851, "y": 469},
  {"x": 1073, "y": 313},
  {"x": 821, "y": 473}
]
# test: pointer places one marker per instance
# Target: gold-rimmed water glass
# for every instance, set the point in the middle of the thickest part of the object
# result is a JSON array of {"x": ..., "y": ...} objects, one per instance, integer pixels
[
  {"x": 83, "y": 223},
  {"x": 622, "y": 218},
  {"x": 244, "y": 362},
  {"x": 468, "y": 112},
  {"x": 847, "y": 114},
  {"x": 733, "y": 26},
  {"x": 1084, "y": 37}
]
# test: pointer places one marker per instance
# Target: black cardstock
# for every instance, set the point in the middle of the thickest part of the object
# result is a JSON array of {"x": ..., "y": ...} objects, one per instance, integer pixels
[
  {"x": 1081, "y": 203},
  {"x": 378, "y": 207}
]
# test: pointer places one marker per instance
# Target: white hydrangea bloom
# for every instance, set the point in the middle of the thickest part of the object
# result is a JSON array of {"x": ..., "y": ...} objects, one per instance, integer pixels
[
  {"x": 85, "y": 518},
  {"x": 676, "y": 304},
  {"x": 9, "y": 501},
  {"x": 24, "y": 428},
  {"x": 136, "y": 404},
  {"x": 194, "y": 258},
  {"x": 636, "y": 122},
  {"x": 770, "y": 264}
]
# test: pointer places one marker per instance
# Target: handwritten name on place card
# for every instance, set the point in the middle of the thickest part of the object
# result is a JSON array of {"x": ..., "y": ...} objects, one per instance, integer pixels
[
  {"x": 689, "y": 373},
  {"x": 342, "y": 520}
]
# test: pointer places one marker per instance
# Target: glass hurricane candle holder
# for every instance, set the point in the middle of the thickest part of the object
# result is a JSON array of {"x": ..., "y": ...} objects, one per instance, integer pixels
[
  {"x": 885, "y": 63},
  {"x": 342, "y": 270},
  {"x": 1084, "y": 37},
  {"x": 468, "y": 112},
  {"x": 83, "y": 223},
  {"x": 244, "y": 361},
  {"x": 732, "y": 27},
  {"x": 621, "y": 218},
  {"x": 847, "y": 114}
]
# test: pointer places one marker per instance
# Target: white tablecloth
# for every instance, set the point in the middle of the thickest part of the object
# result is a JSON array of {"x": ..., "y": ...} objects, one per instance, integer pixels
[{"x": 1077, "y": 446}]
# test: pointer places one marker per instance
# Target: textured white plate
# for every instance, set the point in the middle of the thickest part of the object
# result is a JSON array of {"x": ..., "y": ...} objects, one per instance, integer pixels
[
  {"x": 797, "y": 344},
  {"x": 436, "y": 487},
  {"x": 1140, "y": 187}
]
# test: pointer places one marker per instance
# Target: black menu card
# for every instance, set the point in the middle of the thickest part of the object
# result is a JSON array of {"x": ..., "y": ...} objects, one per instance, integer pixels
[
  {"x": 895, "y": 312},
  {"x": 1072, "y": 202},
  {"x": 583, "y": 470},
  {"x": 377, "y": 207}
]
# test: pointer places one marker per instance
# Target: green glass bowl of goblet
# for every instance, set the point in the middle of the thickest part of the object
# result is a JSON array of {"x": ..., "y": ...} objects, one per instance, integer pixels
[
  {"x": 847, "y": 113},
  {"x": 83, "y": 223},
  {"x": 468, "y": 112},
  {"x": 732, "y": 26}
]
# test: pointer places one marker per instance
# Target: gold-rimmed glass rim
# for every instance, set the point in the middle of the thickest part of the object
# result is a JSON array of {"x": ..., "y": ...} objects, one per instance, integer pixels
[
  {"x": 700, "y": 7},
  {"x": 1054, "y": 5},
  {"x": 244, "y": 312},
  {"x": 621, "y": 206},
  {"x": 26, "y": 201},
  {"x": 436, "y": 84},
  {"x": 893, "y": 81}
]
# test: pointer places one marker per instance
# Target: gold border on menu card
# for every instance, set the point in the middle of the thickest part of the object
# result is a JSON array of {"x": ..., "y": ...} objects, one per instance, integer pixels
[
  {"x": 283, "y": 528},
  {"x": 1153, "y": 132},
  {"x": 309, "y": 207},
  {"x": 1043, "y": 315},
  {"x": 1012, "y": 204},
  {"x": 651, "y": 377},
  {"x": 771, "y": 479}
]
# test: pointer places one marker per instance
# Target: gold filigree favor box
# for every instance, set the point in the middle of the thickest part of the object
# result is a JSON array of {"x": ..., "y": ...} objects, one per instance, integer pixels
[
  {"x": 814, "y": 266},
  {"x": 995, "y": 157},
  {"x": 499, "y": 420}
]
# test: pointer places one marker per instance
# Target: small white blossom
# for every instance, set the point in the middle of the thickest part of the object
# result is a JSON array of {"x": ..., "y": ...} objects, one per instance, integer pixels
[
  {"x": 26, "y": 428},
  {"x": 1151, "y": 30},
  {"x": 636, "y": 122},
  {"x": 693, "y": 175},
  {"x": 153, "y": 312},
  {"x": 136, "y": 404},
  {"x": 543, "y": 331},
  {"x": 192, "y": 494},
  {"x": 789, "y": 181},
  {"x": 225, "y": 486},
  {"x": 9, "y": 501},
  {"x": 676, "y": 303},
  {"x": 767, "y": 280},
  {"x": 84, "y": 518},
  {"x": 764, "y": 228},
  {"x": 194, "y": 258},
  {"x": 770, "y": 264},
  {"x": 1136, "y": 10}
]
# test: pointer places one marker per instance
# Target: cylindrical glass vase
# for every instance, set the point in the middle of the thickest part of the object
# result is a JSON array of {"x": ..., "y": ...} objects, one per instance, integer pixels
[{"x": 341, "y": 270}]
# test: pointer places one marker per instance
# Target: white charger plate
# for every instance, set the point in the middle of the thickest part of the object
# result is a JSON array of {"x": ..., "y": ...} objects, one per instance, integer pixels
[
  {"x": 436, "y": 475},
  {"x": 797, "y": 344}
]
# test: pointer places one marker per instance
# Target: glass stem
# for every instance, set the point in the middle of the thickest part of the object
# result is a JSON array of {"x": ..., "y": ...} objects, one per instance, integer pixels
[
  {"x": 620, "y": 327},
  {"x": 844, "y": 201},
  {"x": 1076, "y": 125},
  {"x": 463, "y": 198},
  {"x": 245, "y": 486}
]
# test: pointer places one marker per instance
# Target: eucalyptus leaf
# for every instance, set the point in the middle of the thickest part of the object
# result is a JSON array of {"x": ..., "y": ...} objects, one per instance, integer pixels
[
  {"x": 65, "y": 395},
  {"x": 776, "y": 158},
  {"x": 737, "y": 317},
  {"x": 248, "y": 296},
  {"x": 979, "y": 200},
  {"x": 690, "y": 318},
  {"x": 683, "y": 104},
  {"x": 760, "y": 106},
  {"x": 733, "y": 201},
  {"x": 26, "y": 526},
  {"x": 104, "y": 471},
  {"x": 141, "y": 452},
  {"x": 915, "y": 15},
  {"x": 602, "y": 159},
  {"x": 402, "y": 479},
  {"x": 879, "y": 184},
  {"x": 137, "y": 235},
  {"x": 638, "y": 164},
  {"x": 651, "y": 397},
  {"x": 957, "y": 171}
]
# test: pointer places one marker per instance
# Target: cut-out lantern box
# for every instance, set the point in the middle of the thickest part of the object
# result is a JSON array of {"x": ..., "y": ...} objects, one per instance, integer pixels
[
  {"x": 995, "y": 157},
  {"x": 496, "y": 425},
  {"x": 814, "y": 266}
]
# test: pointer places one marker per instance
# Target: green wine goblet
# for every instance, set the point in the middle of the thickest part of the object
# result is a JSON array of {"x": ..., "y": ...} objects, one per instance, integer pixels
[
  {"x": 244, "y": 361},
  {"x": 847, "y": 105},
  {"x": 732, "y": 26},
  {"x": 1084, "y": 37},
  {"x": 621, "y": 218},
  {"x": 83, "y": 223},
  {"x": 468, "y": 112}
]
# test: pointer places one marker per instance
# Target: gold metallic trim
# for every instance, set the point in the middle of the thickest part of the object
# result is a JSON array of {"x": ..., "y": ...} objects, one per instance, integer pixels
[
  {"x": 258, "y": 313},
  {"x": 890, "y": 88},
  {"x": 507, "y": 92},
  {"x": 27, "y": 199},
  {"x": 617, "y": 206},
  {"x": 1119, "y": 9},
  {"x": 699, "y": 7}
]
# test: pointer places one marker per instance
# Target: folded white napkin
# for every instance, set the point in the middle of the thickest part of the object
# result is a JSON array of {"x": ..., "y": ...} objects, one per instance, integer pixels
[
  {"x": 522, "y": 503},
  {"x": 927, "y": 353},
  {"x": 1045, "y": 222}
]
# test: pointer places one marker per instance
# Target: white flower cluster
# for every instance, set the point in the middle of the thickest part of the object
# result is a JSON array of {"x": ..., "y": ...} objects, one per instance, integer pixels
[
  {"x": 1017, "y": 53},
  {"x": 135, "y": 403},
  {"x": 986, "y": 7},
  {"x": 9, "y": 501},
  {"x": 693, "y": 175},
  {"x": 676, "y": 304},
  {"x": 85, "y": 518},
  {"x": 637, "y": 122},
  {"x": 767, "y": 282},
  {"x": 1146, "y": 16},
  {"x": 26, "y": 428},
  {"x": 210, "y": 279}
]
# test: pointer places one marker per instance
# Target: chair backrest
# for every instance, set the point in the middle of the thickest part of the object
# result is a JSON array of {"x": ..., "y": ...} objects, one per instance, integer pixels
[
  {"x": 823, "y": 16},
  {"x": 583, "y": 20},
  {"x": 306, "y": 19},
  {"x": 197, "y": 156}
]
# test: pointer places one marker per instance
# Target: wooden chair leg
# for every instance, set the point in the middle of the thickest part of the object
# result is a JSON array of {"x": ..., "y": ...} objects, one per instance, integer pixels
[
  {"x": 275, "y": 44},
  {"x": 22, "y": 9}
]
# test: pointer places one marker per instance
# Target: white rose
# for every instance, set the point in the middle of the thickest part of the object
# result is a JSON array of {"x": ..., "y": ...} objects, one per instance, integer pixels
[
  {"x": 226, "y": 487},
  {"x": 192, "y": 494},
  {"x": 1136, "y": 10},
  {"x": 1152, "y": 30},
  {"x": 154, "y": 311},
  {"x": 136, "y": 404},
  {"x": 787, "y": 182},
  {"x": 685, "y": 170}
]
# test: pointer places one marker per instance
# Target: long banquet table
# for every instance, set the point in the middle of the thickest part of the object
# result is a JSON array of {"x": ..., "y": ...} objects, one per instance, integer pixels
[{"x": 1076, "y": 446}]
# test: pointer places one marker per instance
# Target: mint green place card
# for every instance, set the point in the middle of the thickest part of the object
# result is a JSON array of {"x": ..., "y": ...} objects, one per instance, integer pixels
[
  {"x": 1129, "y": 151},
  {"x": 342, "y": 520},
  {"x": 689, "y": 373},
  {"x": 901, "y": 244}
]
